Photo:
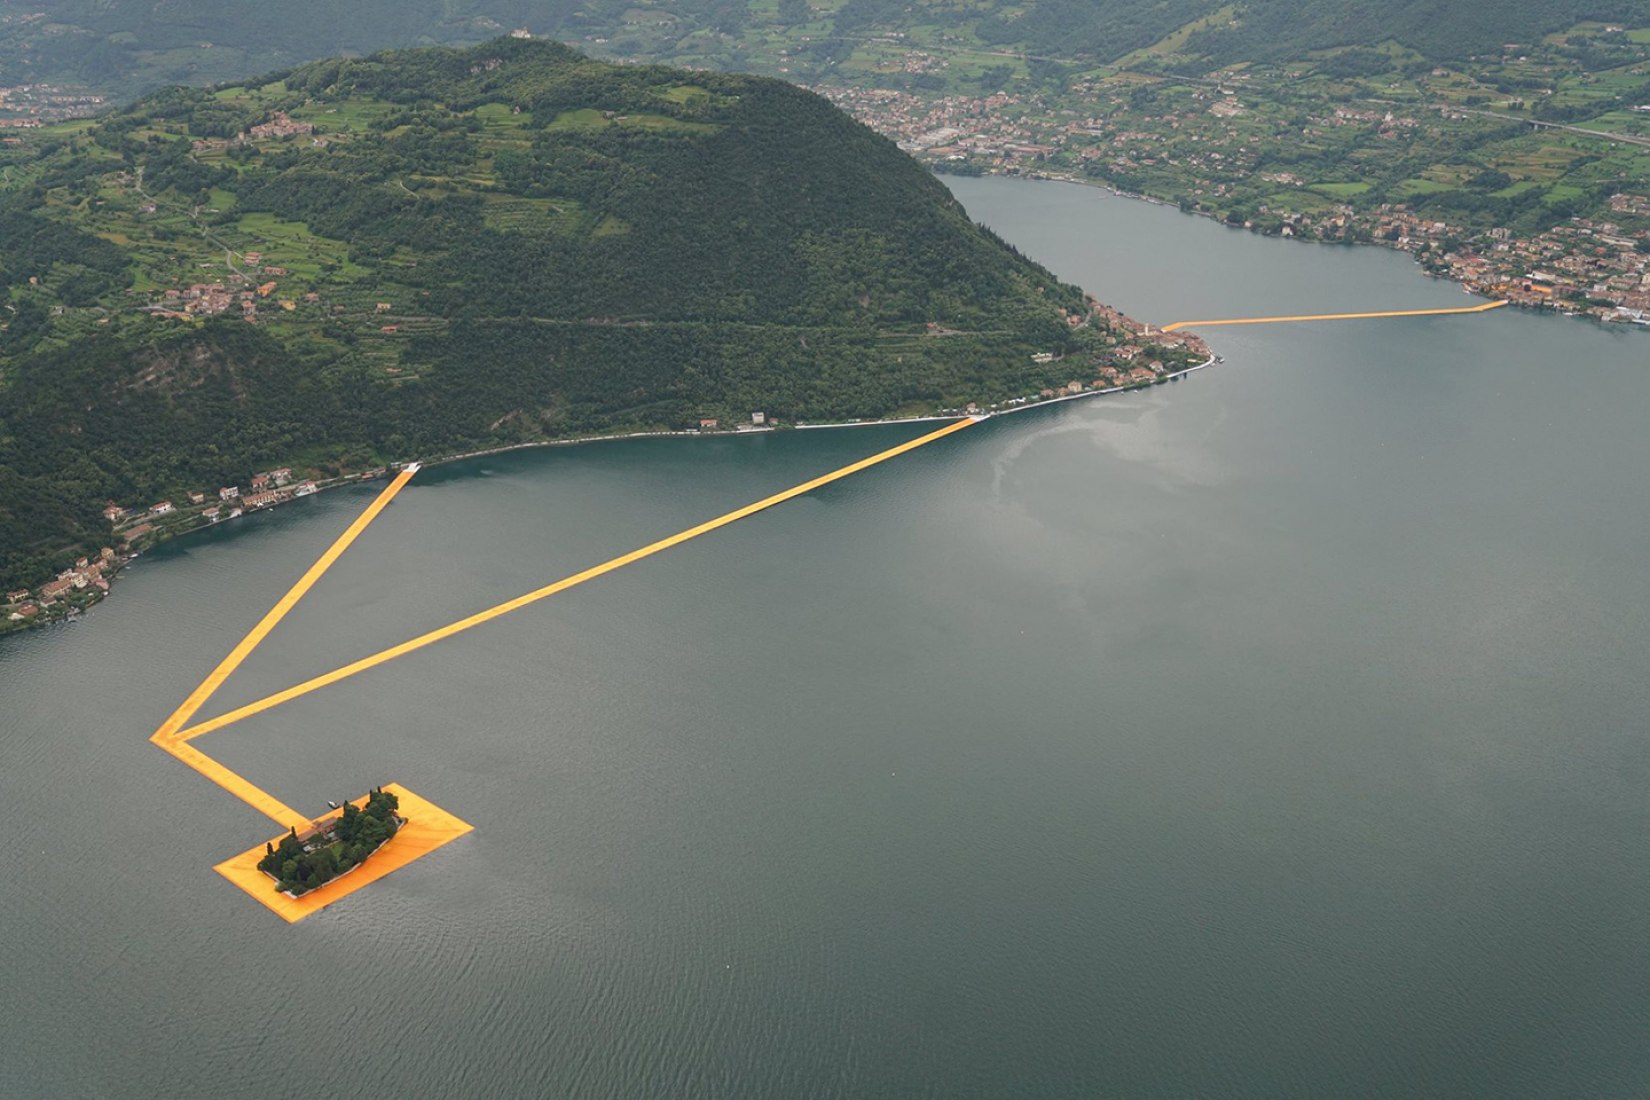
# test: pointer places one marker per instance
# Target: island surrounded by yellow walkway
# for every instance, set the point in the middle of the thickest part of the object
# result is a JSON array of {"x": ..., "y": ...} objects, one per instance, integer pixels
[{"x": 427, "y": 827}]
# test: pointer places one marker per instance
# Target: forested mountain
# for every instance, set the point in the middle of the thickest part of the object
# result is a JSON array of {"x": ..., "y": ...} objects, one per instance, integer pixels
[{"x": 443, "y": 248}]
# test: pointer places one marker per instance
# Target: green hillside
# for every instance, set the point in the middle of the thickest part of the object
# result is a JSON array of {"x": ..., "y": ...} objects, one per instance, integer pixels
[
  {"x": 1271, "y": 30},
  {"x": 439, "y": 249},
  {"x": 1085, "y": 30}
]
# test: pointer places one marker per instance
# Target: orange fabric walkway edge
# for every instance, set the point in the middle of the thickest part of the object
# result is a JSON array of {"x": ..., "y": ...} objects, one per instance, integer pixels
[{"x": 428, "y": 827}]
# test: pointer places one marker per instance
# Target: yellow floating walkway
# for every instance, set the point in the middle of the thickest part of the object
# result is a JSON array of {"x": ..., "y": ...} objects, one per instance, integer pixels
[
  {"x": 428, "y": 826},
  {"x": 1335, "y": 316},
  {"x": 480, "y": 617},
  {"x": 186, "y": 710},
  {"x": 168, "y": 736}
]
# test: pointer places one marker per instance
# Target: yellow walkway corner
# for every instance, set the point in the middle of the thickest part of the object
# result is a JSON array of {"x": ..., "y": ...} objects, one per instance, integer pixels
[{"x": 428, "y": 827}]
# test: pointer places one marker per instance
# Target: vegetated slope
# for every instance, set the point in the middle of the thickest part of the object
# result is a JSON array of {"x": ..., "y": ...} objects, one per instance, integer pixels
[
  {"x": 1270, "y": 30},
  {"x": 473, "y": 247},
  {"x": 1104, "y": 30},
  {"x": 1073, "y": 29},
  {"x": 124, "y": 48}
]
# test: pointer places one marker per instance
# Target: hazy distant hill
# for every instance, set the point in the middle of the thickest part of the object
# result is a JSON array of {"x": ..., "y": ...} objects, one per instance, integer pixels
[
  {"x": 443, "y": 248},
  {"x": 123, "y": 48},
  {"x": 1104, "y": 30},
  {"x": 1437, "y": 29}
]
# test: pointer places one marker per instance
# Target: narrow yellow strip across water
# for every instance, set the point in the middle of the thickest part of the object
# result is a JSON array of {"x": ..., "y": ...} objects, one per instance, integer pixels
[
  {"x": 257, "y": 634},
  {"x": 480, "y": 617},
  {"x": 1334, "y": 316},
  {"x": 254, "y": 796},
  {"x": 167, "y": 736}
]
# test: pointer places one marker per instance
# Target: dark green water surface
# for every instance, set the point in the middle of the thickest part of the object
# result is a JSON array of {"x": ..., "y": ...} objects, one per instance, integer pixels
[{"x": 1279, "y": 732}]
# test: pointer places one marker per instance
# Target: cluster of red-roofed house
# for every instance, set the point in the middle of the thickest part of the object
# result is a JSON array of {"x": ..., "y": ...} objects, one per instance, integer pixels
[
  {"x": 274, "y": 487},
  {"x": 88, "y": 579},
  {"x": 86, "y": 573},
  {"x": 268, "y": 488}
]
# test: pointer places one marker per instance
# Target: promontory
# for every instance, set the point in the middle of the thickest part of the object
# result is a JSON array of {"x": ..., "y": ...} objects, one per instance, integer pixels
[{"x": 368, "y": 260}]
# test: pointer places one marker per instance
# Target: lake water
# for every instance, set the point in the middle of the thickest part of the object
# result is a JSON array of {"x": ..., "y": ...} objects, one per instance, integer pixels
[{"x": 1280, "y": 732}]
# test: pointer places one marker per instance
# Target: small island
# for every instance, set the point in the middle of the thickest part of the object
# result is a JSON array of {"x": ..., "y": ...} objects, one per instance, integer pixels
[{"x": 329, "y": 848}]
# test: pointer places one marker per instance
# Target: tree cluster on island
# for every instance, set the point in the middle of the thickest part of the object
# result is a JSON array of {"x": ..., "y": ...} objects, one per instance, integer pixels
[{"x": 300, "y": 863}]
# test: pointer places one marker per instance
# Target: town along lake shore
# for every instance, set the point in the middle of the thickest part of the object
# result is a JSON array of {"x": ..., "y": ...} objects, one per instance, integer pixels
[{"x": 1584, "y": 268}]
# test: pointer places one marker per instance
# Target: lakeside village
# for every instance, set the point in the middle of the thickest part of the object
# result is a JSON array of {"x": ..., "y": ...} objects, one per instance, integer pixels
[
  {"x": 134, "y": 530},
  {"x": 1597, "y": 267},
  {"x": 31, "y": 106},
  {"x": 1115, "y": 352}
]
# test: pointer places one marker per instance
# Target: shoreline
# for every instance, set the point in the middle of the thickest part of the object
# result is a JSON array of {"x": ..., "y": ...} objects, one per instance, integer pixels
[
  {"x": 123, "y": 561},
  {"x": 1467, "y": 286},
  {"x": 699, "y": 433}
]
